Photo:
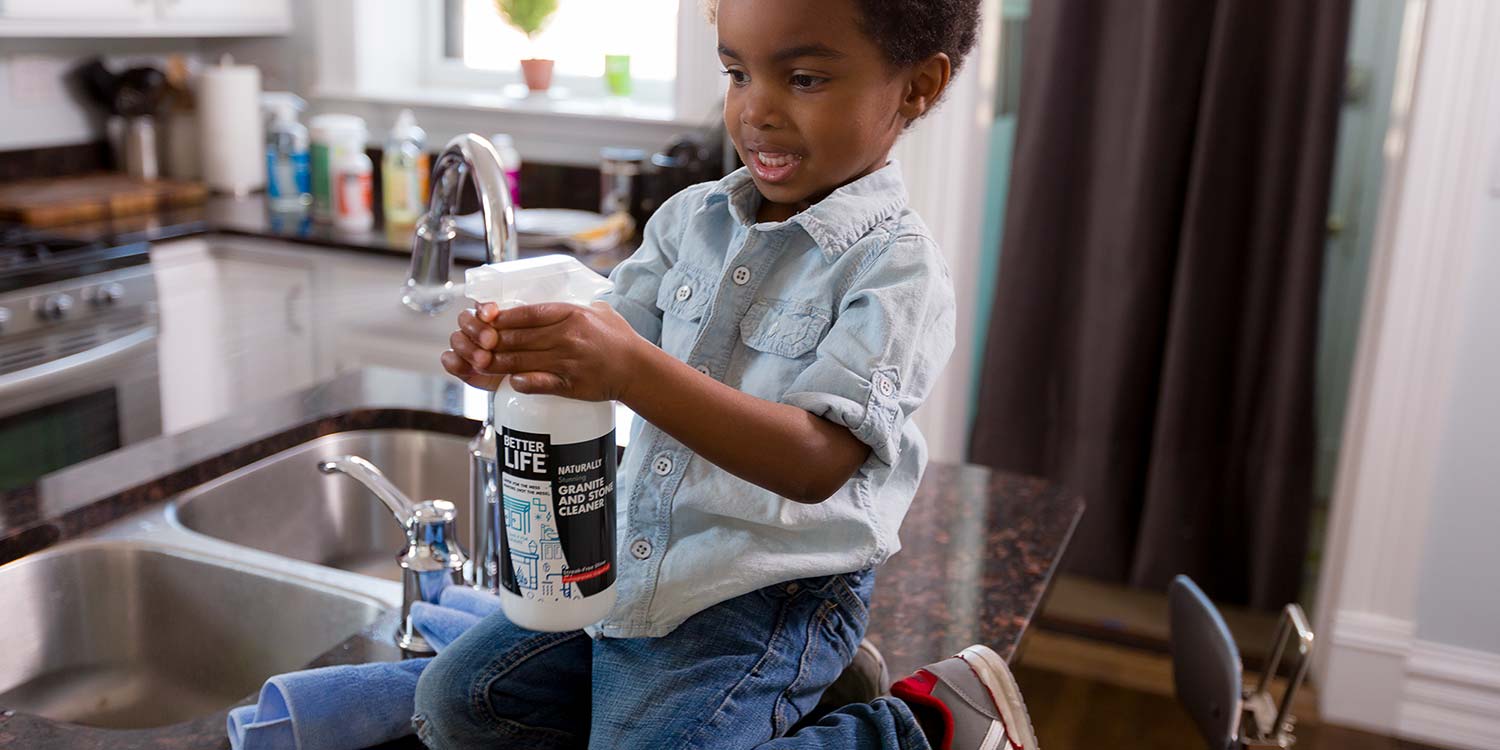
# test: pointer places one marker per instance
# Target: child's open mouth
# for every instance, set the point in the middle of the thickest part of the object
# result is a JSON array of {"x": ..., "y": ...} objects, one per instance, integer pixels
[{"x": 774, "y": 167}]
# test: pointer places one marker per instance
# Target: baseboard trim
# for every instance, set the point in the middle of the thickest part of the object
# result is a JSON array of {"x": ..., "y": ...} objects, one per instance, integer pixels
[
  {"x": 1452, "y": 697},
  {"x": 1381, "y": 677}
]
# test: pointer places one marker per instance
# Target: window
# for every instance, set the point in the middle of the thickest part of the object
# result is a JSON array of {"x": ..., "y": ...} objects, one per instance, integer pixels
[{"x": 478, "y": 47}]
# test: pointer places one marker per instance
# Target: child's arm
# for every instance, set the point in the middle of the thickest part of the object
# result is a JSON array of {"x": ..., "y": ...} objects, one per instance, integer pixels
[
  {"x": 593, "y": 354},
  {"x": 636, "y": 281}
]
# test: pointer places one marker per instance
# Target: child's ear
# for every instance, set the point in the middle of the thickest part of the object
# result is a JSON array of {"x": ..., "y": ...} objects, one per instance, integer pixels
[{"x": 925, "y": 84}]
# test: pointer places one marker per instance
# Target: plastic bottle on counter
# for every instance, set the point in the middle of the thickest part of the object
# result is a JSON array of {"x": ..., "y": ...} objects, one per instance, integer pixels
[
  {"x": 557, "y": 464},
  {"x": 333, "y": 136},
  {"x": 353, "y": 191},
  {"x": 288, "y": 176},
  {"x": 404, "y": 171},
  {"x": 510, "y": 159}
]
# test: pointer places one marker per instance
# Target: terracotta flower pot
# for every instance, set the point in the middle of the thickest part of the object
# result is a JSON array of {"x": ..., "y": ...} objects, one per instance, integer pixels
[{"x": 538, "y": 73}]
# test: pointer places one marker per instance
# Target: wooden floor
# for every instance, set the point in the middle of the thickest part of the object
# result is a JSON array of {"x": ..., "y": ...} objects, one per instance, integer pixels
[
  {"x": 1095, "y": 674},
  {"x": 1076, "y": 713}
]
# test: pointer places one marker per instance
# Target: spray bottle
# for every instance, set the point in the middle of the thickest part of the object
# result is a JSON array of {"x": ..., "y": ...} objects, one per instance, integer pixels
[
  {"x": 288, "y": 181},
  {"x": 557, "y": 470}
]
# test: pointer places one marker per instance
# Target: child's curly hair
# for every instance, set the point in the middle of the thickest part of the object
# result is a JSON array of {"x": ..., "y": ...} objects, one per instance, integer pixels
[{"x": 909, "y": 31}]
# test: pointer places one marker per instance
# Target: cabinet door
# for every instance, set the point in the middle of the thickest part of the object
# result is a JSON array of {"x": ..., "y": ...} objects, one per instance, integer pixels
[
  {"x": 270, "y": 343},
  {"x": 194, "y": 378},
  {"x": 374, "y": 327},
  {"x": 213, "y": 11},
  {"x": 78, "y": 10}
]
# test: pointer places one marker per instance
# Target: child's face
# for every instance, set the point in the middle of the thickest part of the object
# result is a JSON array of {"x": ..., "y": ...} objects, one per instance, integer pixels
[{"x": 812, "y": 104}]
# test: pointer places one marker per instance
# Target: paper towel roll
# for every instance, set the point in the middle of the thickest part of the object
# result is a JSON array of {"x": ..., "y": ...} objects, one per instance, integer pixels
[{"x": 231, "y": 134}]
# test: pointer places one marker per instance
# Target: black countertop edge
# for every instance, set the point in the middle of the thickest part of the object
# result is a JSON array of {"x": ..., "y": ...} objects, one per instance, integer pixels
[
  {"x": 252, "y": 216},
  {"x": 82, "y": 497}
]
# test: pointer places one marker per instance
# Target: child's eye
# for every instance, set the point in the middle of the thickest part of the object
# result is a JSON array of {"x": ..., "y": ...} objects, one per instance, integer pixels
[
  {"x": 804, "y": 81},
  {"x": 737, "y": 77}
]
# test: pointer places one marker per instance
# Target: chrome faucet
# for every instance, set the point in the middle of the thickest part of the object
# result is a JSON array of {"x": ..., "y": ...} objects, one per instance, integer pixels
[
  {"x": 429, "y": 289},
  {"x": 432, "y": 560},
  {"x": 428, "y": 286}
]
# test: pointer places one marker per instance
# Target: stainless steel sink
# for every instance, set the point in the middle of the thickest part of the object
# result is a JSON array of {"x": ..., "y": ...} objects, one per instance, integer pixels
[
  {"x": 123, "y": 634},
  {"x": 284, "y": 506}
]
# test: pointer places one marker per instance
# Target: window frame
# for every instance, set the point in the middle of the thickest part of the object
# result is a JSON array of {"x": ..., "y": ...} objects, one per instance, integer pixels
[
  {"x": 369, "y": 63},
  {"x": 441, "y": 70}
]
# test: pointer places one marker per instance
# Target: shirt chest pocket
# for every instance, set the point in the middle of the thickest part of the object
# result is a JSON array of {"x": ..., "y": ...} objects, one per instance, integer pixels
[
  {"x": 683, "y": 298},
  {"x": 784, "y": 328}
]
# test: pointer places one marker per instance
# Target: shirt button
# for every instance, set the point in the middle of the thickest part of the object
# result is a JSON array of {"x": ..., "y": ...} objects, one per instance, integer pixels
[
  {"x": 887, "y": 388},
  {"x": 742, "y": 275},
  {"x": 704, "y": 369},
  {"x": 662, "y": 465},
  {"x": 684, "y": 292},
  {"x": 640, "y": 549}
]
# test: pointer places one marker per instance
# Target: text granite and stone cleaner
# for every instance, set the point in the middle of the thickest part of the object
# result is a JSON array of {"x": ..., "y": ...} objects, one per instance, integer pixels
[{"x": 557, "y": 469}]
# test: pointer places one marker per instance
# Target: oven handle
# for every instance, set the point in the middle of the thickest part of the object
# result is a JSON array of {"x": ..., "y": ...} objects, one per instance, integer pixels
[{"x": 99, "y": 357}]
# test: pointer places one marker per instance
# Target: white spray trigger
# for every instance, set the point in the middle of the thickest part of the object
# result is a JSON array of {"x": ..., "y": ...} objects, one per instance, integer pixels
[{"x": 550, "y": 278}]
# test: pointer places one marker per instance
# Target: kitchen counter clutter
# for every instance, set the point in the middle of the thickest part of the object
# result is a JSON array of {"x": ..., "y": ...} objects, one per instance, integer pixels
[
  {"x": 250, "y": 217},
  {"x": 980, "y": 547},
  {"x": 241, "y": 304}
]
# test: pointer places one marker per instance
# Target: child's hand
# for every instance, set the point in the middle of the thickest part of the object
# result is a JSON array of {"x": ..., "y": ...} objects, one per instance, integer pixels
[
  {"x": 472, "y": 343},
  {"x": 585, "y": 353}
]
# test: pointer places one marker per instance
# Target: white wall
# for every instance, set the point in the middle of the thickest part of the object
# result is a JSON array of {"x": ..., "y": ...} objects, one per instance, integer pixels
[
  {"x": 1459, "y": 589},
  {"x": 1409, "y": 605},
  {"x": 38, "y": 107}
]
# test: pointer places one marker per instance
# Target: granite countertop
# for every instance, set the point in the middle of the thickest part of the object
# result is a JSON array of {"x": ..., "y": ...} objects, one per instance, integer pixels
[
  {"x": 980, "y": 547},
  {"x": 251, "y": 216}
]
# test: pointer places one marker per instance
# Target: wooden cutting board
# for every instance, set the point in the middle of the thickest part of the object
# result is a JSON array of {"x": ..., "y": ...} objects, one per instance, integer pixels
[{"x": 68, "y": 200}]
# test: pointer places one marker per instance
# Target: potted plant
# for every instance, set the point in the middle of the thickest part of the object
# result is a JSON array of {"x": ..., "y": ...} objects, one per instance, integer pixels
[{"x": 529, "y": 16}]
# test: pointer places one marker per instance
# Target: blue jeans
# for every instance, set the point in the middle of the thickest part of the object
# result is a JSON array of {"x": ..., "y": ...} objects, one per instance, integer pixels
[{"x": 737, "y": 675}]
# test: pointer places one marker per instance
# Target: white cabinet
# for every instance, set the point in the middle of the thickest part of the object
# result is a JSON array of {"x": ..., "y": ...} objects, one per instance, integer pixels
[
  {"x": 224, "y": 11},
  {"x": 74, "y": 10},
  {"x": 374, "y": 328},
  {"x": 247, "y": 320},
  {"x": 238, "y": 326},
  {"x": 144, "y": 18},
  {"x": 269, "y": 336},
  {"x": 194, "y": 381}
]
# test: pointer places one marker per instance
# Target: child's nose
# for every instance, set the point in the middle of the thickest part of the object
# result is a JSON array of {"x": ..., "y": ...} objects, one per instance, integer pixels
[{"x": 761, "y": 110}]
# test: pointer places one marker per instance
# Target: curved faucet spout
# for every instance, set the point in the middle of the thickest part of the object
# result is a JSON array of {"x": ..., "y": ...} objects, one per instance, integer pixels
[
  {"x": 471, "y": 158},
  {"x": 376, "y": 482}
]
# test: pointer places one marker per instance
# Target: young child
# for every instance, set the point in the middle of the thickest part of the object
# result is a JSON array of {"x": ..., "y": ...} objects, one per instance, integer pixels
[{"x": 774, "y": 332}]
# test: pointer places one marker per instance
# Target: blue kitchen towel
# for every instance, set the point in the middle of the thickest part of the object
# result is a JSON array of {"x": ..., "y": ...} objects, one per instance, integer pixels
[
  {"x": 355, "y": 705},
  {"x": 461, "y": 608},
  {"x": 481, "y": 604},
  {"x": 441, "y": 625},
  {"x": 345, "y": 707}
]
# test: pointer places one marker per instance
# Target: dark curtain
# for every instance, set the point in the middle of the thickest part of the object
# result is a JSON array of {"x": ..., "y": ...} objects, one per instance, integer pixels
[{"x": 1152, "y": 340}]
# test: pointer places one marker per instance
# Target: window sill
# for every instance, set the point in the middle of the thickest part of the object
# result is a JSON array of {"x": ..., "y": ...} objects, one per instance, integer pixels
[{"x": 549, "y": 129}]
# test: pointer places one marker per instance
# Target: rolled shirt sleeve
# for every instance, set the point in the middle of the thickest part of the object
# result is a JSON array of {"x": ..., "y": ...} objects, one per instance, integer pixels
[
  {"x": 638, "y": 278},
  {"x": 891, "y": 338}
]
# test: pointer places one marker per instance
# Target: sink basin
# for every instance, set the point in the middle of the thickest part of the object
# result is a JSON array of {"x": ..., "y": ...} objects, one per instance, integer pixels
[
  {"x": 124, "y": 635},
  {"x": 284, "y": 506}
]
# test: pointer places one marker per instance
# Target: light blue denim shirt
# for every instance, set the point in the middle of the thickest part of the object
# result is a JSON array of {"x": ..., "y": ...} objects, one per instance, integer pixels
[{"x": 845, "y": 310}]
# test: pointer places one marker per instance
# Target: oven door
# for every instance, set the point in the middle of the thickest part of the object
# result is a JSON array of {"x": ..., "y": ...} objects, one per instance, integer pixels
[{"x": 97, "y": 390}]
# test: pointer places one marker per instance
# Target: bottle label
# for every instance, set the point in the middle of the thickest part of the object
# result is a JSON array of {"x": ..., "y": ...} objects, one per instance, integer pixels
[
  {"x": 557, "y": 516},
  {"x": 353, "y": 194},
  {"x": 287, "y": 176}
]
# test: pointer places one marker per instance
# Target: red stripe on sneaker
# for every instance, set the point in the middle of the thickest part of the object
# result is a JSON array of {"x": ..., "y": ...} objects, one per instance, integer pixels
[{"x": 916, "y": 690}]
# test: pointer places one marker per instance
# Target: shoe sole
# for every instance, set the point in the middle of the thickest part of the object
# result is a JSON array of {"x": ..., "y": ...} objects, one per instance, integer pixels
[{"x": 996, "y": 677}]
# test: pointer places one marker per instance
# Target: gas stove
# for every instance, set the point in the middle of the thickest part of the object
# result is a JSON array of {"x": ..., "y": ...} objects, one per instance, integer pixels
[
  {"x": 78, "y": 350},
  {"x": 49, "y": 281},
  {"x": 31, "y": 258}
]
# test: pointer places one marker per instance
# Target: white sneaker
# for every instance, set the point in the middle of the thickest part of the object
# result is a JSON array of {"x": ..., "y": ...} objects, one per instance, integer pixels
[{"x": 971, "y": 702}]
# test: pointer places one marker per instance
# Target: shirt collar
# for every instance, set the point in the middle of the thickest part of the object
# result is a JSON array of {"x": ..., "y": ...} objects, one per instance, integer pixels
[{"x": 834, "y": 223}]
